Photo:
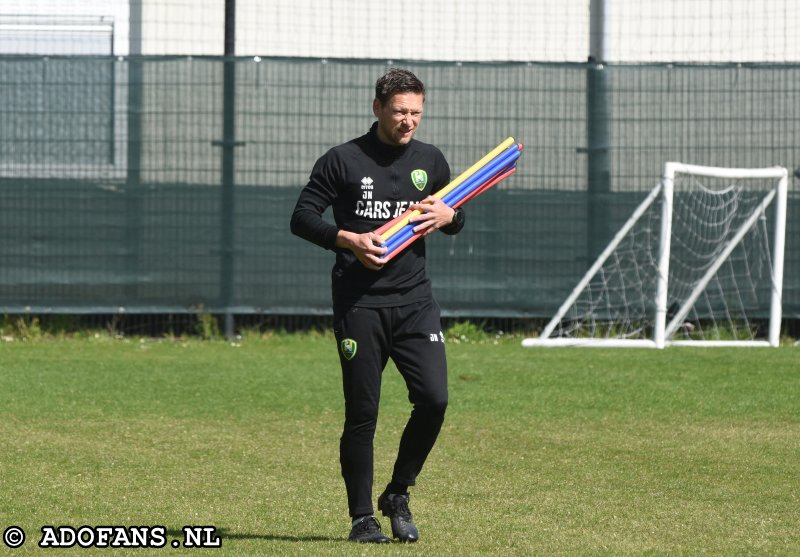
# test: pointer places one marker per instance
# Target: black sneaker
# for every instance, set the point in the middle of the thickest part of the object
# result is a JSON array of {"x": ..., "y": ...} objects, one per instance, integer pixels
[
  {"x": 368, "y": 530},
  {"x": 395, "y": 506}
]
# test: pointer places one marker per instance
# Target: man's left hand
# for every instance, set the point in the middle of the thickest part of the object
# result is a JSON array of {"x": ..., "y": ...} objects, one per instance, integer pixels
[{"x": 435, "y": 215}]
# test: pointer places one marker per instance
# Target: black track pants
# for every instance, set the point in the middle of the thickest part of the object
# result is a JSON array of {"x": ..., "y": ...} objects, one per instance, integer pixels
[{"x": 367, "y": 337}]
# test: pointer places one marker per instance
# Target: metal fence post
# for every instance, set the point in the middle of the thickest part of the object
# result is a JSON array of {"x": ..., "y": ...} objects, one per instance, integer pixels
[
  {"x": 227, "y": 207},
  {"x": 598, "y": 132},
  {"x": 133, "y": 166}
]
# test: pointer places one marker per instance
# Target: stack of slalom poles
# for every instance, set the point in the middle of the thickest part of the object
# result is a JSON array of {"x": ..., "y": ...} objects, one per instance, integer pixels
[{"x": 497, "y": 165}]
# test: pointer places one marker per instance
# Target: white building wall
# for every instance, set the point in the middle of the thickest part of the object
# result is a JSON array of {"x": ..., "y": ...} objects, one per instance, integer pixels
[
  {"x": 183, "y": 27},
  {"x": 705, "y": 30},
  {"x": 72, "y": 27},
  {"x": 456, "y": 30},
  {"x": 521, "y": 30}
]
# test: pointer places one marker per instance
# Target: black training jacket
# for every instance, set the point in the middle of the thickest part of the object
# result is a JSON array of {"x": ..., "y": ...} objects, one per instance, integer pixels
[{"x": 368, "y": 183}]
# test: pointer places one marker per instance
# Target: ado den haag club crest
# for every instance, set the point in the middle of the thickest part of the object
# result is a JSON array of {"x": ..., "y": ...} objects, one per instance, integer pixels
[
  {"x": 349, "y": 347},
  {"x": 419, "y": 178}
]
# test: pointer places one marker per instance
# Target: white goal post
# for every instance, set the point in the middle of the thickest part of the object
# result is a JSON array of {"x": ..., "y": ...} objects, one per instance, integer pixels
[{"x": 698, "y": 263}]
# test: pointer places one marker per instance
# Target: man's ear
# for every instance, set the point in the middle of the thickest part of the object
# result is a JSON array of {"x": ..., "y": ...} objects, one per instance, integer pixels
[{"x": 376, "y": 107}]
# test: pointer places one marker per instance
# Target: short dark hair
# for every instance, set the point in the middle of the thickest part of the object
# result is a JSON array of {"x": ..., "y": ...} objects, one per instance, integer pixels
[{"x": 397, "y": 80}]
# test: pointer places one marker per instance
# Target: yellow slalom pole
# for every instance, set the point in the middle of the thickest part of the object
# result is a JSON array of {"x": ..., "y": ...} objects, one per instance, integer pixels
[{"x": 454, "y": 184}]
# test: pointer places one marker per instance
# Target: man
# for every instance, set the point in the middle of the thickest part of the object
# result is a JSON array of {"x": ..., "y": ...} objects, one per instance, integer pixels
[{"x": 383, "y": 309}]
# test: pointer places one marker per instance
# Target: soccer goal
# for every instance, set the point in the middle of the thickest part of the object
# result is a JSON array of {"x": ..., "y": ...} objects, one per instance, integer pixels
[{"x": 698, "y": 263}]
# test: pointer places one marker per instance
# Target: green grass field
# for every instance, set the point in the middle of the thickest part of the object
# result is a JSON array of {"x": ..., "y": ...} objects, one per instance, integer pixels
[{"x": 544, "y": 451}]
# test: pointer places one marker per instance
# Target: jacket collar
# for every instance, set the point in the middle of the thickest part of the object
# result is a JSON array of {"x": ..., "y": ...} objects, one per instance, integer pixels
[{"x": 384, "y": 148}]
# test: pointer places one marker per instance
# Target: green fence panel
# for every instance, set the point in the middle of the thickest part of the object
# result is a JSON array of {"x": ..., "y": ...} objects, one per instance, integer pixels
[{"x": 111, "y": 174}]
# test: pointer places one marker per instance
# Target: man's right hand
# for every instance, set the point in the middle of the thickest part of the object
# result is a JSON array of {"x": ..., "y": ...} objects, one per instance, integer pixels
[{"x": 366, "y": 247}]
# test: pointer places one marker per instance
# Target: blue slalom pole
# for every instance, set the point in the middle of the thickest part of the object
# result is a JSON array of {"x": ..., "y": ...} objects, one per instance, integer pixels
[
  {"x": 458, "y": 194},
  {"x": 494, "y": 167}
]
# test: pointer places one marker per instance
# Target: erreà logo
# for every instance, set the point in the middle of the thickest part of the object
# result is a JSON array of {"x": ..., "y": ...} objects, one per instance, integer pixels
[
  {"x": 349, "y": 348},
  {"x": 419, "y": 178}
]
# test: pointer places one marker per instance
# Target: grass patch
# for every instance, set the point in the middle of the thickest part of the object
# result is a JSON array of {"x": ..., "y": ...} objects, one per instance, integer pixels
[{"x": 543, "y": 452}]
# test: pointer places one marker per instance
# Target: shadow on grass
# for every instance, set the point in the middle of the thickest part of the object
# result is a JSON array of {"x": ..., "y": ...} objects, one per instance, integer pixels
[{"x": 225, "y": 534}]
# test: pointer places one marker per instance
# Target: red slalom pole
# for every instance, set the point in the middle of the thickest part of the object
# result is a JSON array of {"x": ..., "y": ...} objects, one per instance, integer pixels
[
  {"x": 479, "y": 190},
  {"x": 392, "y": 222},
  {"x": 449, "y": 190},
  {"x": 490, "y": 184},
  {"x": 508, "y": 158}
]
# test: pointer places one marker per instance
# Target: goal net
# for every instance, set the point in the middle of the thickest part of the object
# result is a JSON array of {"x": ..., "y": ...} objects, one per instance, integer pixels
[{"x": 699, "y": 262}]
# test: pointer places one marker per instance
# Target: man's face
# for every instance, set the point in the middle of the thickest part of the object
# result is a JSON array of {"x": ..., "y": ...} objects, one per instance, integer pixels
[{"x": 399, "y": 117}]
